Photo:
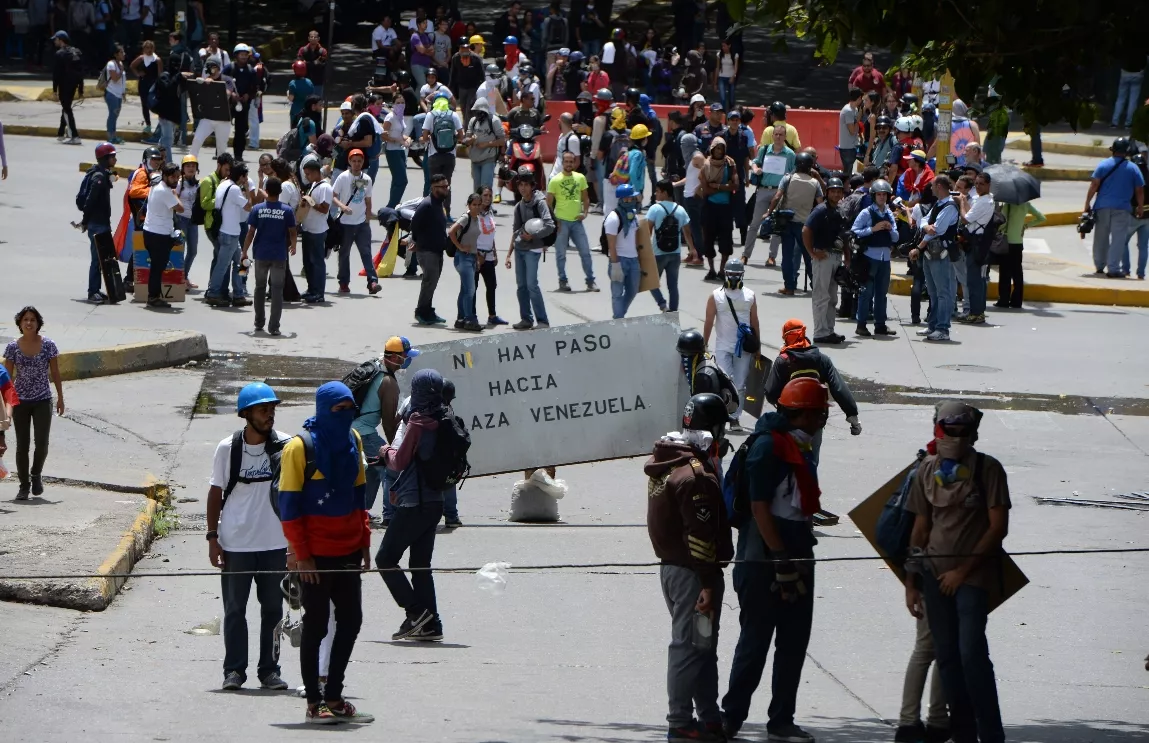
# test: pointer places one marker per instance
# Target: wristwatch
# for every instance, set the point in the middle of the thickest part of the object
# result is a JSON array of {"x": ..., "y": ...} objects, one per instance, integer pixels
[{"x": 211, "y": 535}]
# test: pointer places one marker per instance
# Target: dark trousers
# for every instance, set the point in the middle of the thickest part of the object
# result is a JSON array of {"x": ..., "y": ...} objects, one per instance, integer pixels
[
  {"x": 1011, "y": 279},
  {"x": 344, "y": 590},
  {"x": 239, "y": 134},
  {"x": 314, "y": 263},
  {"x": 848, "y": 155},
  {"x": 916, "y": 289},
  {"x": 24, "y": 417},
  {"x": 236, "y": 589},
  {"x": 958, "y": 626},
  {"x": 441, "y": 163},
  {"x": 159, "y": 247},
  {"x": 67, "y": 93},
  {"x": 488, "y": 272},
  {"x": 431, "y": 261},
  {"x": 412, "y": 527},
  {"x": 145, "y": 88},
  {"x": 762, "y": 613},
  {"x": 717, "y": 223}
]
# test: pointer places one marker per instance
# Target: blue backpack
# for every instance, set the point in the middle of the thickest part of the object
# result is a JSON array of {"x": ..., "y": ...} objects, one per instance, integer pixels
[
  {"x": 896, "y": 523},
  {"x": 736, "y": 485}
]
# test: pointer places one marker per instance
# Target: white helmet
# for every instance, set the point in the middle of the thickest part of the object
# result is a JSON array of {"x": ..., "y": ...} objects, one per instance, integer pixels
[
  {"x": 916, "y": 122},
  {"x": 697, "y": 98},
  {"x": 481, "y": 104},
  {"x": 241, "y": 48},
  {"x": 904, "y": 124}
]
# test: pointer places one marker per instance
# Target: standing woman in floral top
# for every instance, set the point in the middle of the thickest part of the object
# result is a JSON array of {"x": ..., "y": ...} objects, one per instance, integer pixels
[{"x": 31, "y": 359}]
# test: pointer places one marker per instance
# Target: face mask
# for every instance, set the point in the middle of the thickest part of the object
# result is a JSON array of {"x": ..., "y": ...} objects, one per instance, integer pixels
[
  {"x": 954, "y": 447},
  {"x": 398, "y": 108}
]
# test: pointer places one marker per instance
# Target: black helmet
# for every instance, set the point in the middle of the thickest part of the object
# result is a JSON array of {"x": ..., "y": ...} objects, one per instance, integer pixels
[
  {"x": 833, "y": 183},
  {"x": 778, "y": 110},
  {"x": 803, "y": 162},
  {"x": 633, "y": 93},
  {"x": 691, "y": 343},
  {"x": 884, "y": 121},
  {"x": 151, "y": 152},
  {"x": 524, "y": 173},
  {"x": 705, "y": 412},
  {"x": 1120, "y": 146},
  {"x": 584, "y": 97},
  {"x": 404, "y": 78}
]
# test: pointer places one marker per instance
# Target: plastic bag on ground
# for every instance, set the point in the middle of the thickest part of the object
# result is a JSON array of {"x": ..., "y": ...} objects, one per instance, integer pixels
[
  {"x": 492, "y": 577},
  {"x": 206, "y": 629},
  {"x": 537, "y": 500}
]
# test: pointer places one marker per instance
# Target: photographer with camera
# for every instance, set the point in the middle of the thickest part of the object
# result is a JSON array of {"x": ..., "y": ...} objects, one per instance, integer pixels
[
  {"x": 823, "y": 239},
  {"x": 876, "y": 230},
  {"x": 798, "y": 194},
  {"x": 1120, "y": 190},
  {"x": 937, "y": 248}
]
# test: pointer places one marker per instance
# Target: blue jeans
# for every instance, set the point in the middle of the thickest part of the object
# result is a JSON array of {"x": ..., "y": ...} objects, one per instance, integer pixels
[
  {"x": 693, "y": 207},
  {"x": 419, "y": 72},
  {"x": 236, "y": 589},
  {"x": 372, "y": 169},
  {"x": 975, "y": 281},
  {"x": 591, "y": 48},
  {"x": 191, "y": 238},
  {"x": 668, "y": 263},
  {"x": 397, "y": 164},
  {"x": 1141, "y": 229},
  {"x": 957, "y": 624},
  {"x": 371, "y": 445},
  {"x": 529, "y": 293},
  {"x": 942, "y": 286},
  {"x": 389, "y": 478},
  {"x": 114, "y": 105},
  {"x": 726, "y": 92},
  {"x": 95, "y": 275},
  {"x": 1128, "y": 96},
  {"x": 600, "y": 178},
  {"x": 483, "y": 174},
  {"x": 314, "y": 263},
  {"x": 227, "y": 260},
  {"x": 622, "y": 293},
  {"x": 360, "y": 234},
  {"x": 791, "y": 246},
  {"x": 573, "y": 232},
  {"x": 875, "y": 290},
  {"x": 1110, "y": 237},
  {"x": 167, "y": 132},
  {"x": 467, "y": 267}
]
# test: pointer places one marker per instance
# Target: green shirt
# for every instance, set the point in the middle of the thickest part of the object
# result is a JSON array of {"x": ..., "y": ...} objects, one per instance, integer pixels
[
  {"x": 773, "y": 180},
  {"x": 207, "y": 198},
  {"x": 1015, "y": 220},
  {"x": 568, "y": 191}
]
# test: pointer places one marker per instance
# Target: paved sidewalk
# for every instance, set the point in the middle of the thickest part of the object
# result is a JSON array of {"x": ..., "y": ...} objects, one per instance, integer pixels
[{"x": 94, "y": 351}]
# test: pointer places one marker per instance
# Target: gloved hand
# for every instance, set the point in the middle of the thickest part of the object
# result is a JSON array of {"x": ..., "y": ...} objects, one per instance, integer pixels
[
  {"x": 855, "y": 426},
  {"x": 787, "y": 581},
  {"x": 615, "y": 272}
]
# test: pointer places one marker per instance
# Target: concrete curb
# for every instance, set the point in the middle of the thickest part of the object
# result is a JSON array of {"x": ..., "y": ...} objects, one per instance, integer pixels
[
  {"x": 1060, "y": 174},
  {"x": 1059, "y": 219},
  {"x": 1064, "y": 148},
  {"x": 901, "y": 285},
  {"x": 133, "y": 357}
]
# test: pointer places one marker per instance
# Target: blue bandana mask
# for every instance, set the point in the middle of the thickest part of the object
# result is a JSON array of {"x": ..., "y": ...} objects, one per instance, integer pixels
[{"x": 336, "y": 455}]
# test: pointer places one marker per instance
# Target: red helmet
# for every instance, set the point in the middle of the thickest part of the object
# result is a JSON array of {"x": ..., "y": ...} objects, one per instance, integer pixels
[
  {"x": 804, "y": 393},
  {"x": 299, "y": 67},
  {"x": 106, "y": 149}
]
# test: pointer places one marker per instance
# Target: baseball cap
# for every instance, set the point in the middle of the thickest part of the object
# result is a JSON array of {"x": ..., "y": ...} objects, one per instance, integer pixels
[
  {"x": 734, "y": 114},
  {"x": 61, "y": 35},
  {"x": 918, "y": 155},
  {"x": 716, "y": 107},
  {"x": 345, "y": 106},
  {"x": 356, "y": 153},
  {"x": 399, "y": 344}
]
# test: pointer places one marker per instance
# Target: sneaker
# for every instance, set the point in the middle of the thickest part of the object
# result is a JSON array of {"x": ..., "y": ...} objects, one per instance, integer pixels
[
  {"x": 320, "y": 714},
  {"x": 910, "y": 733},
  {"x": 217, "y": 301},
  {"x": 37, "y": 485},
  {"x": 883, "y": 330},
  {"x": 936, "y": 734},
  {"x": 22, "y": 493},
  {"x": 961, "y": 317},
  {"x": 232, "y": 681},
  {"x": 1033, "y": 164},
  {"x": 97, "y": 298},
  {"x": 437, "y": 320},
  {"x": 273, "y": 681},
  {"x": 259, "y": 328},
  {"x": 458, "y": 325},
  {"x": 786, "y": 292},
  {"x": 790, "y": 734},
  {"x": 473, "y": 327},
  {"x": 710, "y": 276},
  {"x": 693, "y": 731},
  {"x": 345, "y": 712},
  {"x": 147, "y": 130},
  {"x": 564, "y": 286},
  {"x": 974, "y": 320},
  {"x": 274, "y": 332},
  {"x": 61, "y": 138},
  {"x": 430, "y": 632},
  {"x": 313, "y": 300},
  {"x": 424, "y": 320},
  {"x": 770, "y": 263},
  {"x": 826, "y": 340},
  {"x": 717, "y": 729},
  {"x": 863, "y": 331},
  {"x": 523, "y": 325},
  {"x": 496, "y": 320},
  {"x": 413, "y": 275},
  {"x": 374, "y": 288},
  {"x": 593, "y": 287},
  {"x": 344, "y": 289},
  {"x": 1111, "y": 275},
  {"x": 595, "y": 209},
  {"x": 159, "y": 303},
  {"x": 938, "y": 335},
  {"x": 375, "y": 522},
  {"x": 733, "y": 427},
  {"x": 452, "y": 523},
  {"x": 542, "y": 324},
  {"x": 412, "y": 624},
  {"x": 924, "y": 332},
  {"x": 76, "y": 140},
  {"x": 241, "y": 302},
  {"x": 113, "y": 140}
]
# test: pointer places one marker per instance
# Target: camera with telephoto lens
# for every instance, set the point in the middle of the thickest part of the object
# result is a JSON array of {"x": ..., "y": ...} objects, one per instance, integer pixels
[
  {"x": 1085, "y": 223},
  {"x": 776, "y": 223}
]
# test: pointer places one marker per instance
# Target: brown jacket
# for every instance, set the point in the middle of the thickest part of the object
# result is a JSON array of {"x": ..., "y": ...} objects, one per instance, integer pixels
[{"x": 685, "y": 514}]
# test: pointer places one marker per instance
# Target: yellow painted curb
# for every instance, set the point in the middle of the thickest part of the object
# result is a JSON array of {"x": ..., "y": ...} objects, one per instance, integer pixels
[
  {"x": 1059, "y": 219},
  {"x": 1064, "y": 148},
  {"x": 132, "y": 357},
  {"x": 900, "y": 285},
  {"x": 132, "y": 545},
  {"x": 131, "y": 87},
  {"x": 1060, "y": 174},
  {"x": 7, "y": 96}
]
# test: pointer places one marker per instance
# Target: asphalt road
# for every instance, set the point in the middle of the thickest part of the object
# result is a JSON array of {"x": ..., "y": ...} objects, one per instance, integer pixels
[{"x": 579, "y": 655}]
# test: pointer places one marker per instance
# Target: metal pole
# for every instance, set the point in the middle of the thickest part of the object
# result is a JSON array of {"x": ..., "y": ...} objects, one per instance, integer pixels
[{"x": 330, "y": 48}]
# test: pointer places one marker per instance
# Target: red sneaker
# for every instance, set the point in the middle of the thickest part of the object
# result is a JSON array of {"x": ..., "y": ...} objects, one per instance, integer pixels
[{"x": 344, "y": 289}]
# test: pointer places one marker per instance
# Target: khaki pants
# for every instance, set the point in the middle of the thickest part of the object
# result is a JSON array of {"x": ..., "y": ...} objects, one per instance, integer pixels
[
  {"x": 915, "y": 683},
  {"x": 824, "y": 295}
]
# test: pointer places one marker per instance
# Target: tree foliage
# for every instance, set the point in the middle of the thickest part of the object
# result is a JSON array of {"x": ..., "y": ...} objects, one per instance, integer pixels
[{"x": 1044, "y": 54}]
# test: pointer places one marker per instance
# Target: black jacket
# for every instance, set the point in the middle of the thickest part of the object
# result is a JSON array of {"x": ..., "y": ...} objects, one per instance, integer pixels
[
  {"x": 67, "y": 68},
  {"x": 98, "y": 205},
  {"x": 429, "y": 226},
  {"x": 167, "y": 89},
  {"x": 809, "y": 362}
]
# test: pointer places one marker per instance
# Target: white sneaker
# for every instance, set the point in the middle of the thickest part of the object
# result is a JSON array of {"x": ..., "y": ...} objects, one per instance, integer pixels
[
  {"x": 938, "y": 335},
  {"x": 75, "y": 140},
  {"x": 924, "y": 331}
]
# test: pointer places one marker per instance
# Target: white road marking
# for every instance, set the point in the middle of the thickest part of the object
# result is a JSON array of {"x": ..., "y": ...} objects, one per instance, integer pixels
[{"x": 1036, "y": 245}]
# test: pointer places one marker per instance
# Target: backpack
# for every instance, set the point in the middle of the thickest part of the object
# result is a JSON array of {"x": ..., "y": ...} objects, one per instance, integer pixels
[
  {"x": 666, "y": 236},
  {"x": 621, "y": 172},
  {"x": 558, "y": 31},
  {"x": 736, "y": 485},
  {"x": 197, "y": 213},
  {"x": 217, "y": 214},
  {"x": 619, "y": 145},
  {"x": 359, "y": 380},
  {"x": 102, "y": 80},
  {"x": 290, "y": 145},
  {"x": 896, "y": 522},
  {"x": 447, "y": 466},
  {"x": 995, "y": 230},
  {"x": 443, "y": 133},
  {"x": 85, "y": 187},
  {"x": 274, "y": 449},
  {"x": 549, "y": 240}
]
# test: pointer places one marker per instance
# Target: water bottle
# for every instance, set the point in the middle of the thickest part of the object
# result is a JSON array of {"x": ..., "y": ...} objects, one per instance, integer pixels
[
  {"x": 243, "y": 266},
  {"x": 703, "y": 635}
]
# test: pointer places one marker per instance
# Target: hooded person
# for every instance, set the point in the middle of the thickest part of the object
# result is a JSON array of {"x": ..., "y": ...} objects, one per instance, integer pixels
[
  {"x": 419, "y": 507},
  {"x": 322, "y": 505},
  {"x": 692, "y": 200},
  {"x": 718, "y": 180},
  {"x": 961, "y": 500}
]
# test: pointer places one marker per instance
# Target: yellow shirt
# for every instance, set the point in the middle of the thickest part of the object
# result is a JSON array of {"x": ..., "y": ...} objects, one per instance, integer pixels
[{"x": 792, "y": 139}]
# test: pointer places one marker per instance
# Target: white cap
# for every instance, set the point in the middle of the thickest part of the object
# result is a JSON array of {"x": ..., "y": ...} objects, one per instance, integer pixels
[{"x": 345, "y": 106}]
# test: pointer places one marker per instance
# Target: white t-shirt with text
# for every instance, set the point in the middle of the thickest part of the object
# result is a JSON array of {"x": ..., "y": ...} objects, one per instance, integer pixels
[
  {"x": 353, "y": 190},
  {"x": 247, "y": 522}
]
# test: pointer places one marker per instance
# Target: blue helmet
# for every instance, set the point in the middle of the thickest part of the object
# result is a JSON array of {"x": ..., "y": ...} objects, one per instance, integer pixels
[
  {"x": 256, "y": 393},
  {"x": 624, "y": 191},
  {"x": 577, "y": 57},
  {"x": 510, "y": 40}
]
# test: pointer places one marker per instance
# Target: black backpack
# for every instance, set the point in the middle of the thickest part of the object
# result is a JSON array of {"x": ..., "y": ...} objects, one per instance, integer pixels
[
  {"x": 558, "y": 31},
  {"x": 359, "y": 380},
  {"x": 447, "y": 466},
  {"x": 736, "y": 485},
  {"x": 274, "y": 449},
  {"x": 217, "y": 214},
  {"x": 666, "y": 236},
  {"x": 85, "y": 187}
]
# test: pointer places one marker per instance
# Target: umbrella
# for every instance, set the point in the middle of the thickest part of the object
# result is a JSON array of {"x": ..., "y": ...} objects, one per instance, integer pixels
[{"x": 1012, "y": 185}]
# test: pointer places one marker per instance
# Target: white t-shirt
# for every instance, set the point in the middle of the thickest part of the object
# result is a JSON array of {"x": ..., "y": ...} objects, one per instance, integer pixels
[
  {"x": 428, "y": 125},
  {"x": 115, "y": 87},
  {"x": 726, "y": 65},
  {"x": 486, "y": 241},
  {"x": 188, "y": 193},
  {"x": 382, "y": 37},
  {"x": 725, "y": 329},
  {"x": 160, "y": 217},
  {"x": 314, "y": 222},
  {"x": 353, "y": 190},
  {"x": 219, "y": 55},
  {"x": 233, "y": 210},
  {"x": 290, "y": 195},
  {"x": 625, "y": 245},
  {"x": 533, "y": 93},
  {"x": 427, "y": 90},
  {"x": 607, "y": 53},
  {"x": 247, "y": 522},
  {"x": 693, "y": 180}
]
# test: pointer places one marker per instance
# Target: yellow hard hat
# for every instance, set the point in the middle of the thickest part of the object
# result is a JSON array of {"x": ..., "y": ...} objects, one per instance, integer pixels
[
  {"x": 189, "y": 159},
  {"x": 476, "y": 39},
  {"x": 639, "y": 131}
]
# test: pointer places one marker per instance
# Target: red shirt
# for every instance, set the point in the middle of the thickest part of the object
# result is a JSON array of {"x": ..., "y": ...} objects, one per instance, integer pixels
[{"x": 867, "y": 82}]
